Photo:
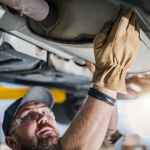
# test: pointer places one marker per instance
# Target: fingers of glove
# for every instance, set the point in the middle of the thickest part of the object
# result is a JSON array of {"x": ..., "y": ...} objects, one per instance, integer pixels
[
  {"x": 137, "y": 28},
  {"x": 101, "y": 37},
  {"x": 91, "y": 66},
  {"x": 122, "y": 20},
  {"x": 106, "y": 28},
  {"x": 131, "y": 26}
]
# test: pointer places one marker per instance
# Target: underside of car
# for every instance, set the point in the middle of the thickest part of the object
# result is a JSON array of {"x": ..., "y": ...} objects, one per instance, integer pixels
[{"x": 53, "y": 53}]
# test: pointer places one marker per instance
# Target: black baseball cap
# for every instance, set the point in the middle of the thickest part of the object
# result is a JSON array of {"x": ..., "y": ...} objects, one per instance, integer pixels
[{"x": 37, "y": 93}]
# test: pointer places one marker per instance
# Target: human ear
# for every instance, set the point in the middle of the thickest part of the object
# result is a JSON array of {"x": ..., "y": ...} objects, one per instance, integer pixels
[{"x": 11, "y": 142}]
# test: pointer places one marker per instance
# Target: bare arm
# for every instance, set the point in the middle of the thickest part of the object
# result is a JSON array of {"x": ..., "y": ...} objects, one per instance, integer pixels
[
  {"x": 88, "y": 129},
  {"x": 112, "y": 61},
  {"x": 113, "y": 119}
]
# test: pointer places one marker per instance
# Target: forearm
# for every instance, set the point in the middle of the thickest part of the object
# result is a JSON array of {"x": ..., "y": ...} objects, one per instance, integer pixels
[
  {"x": 113, "y": 119},
  {"x": 88, "y": 129}
]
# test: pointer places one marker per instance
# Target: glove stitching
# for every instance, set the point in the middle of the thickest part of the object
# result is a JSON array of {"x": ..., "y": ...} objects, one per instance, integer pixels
[
  {"x": 112, "y": 43},
  {"x": 118, "y": 29}
]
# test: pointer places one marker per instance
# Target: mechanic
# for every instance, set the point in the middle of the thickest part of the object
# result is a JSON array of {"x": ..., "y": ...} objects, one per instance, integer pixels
[{"x": 28, "y": 123}]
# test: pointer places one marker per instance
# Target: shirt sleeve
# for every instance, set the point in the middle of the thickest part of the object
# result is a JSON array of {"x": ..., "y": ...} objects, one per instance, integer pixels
[
  {"x": 56, "y": 146},
  {"x": 111, "y": 139}
]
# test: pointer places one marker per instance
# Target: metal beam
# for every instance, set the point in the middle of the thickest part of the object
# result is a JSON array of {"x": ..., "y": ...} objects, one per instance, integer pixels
[{"x": 16, "y": 93}]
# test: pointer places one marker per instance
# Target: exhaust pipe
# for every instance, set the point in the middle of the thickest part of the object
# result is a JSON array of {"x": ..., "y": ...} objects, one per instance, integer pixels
[{"x": 38, "y": 10}]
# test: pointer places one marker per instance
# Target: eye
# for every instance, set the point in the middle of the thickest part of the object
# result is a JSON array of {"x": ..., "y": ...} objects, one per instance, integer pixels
[
  {"x": 28, "y": 116},
  {"x": 44, "y": 112}
]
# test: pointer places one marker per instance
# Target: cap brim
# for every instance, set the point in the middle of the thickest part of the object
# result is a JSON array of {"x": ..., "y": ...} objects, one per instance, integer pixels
[{"x": 40, "y": 94}]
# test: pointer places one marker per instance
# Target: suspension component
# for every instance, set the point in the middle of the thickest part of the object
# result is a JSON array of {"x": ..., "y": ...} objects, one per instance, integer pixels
[{"x": 35, "y": 9}]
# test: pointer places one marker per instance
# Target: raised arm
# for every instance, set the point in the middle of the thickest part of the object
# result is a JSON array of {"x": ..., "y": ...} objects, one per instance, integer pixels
[
  {"x": 88, "y": 129},
  {"x": 115, "y": 49}
]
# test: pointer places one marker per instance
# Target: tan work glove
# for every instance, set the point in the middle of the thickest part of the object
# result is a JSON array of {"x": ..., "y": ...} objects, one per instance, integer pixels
[{"x": 115, "y": 51}]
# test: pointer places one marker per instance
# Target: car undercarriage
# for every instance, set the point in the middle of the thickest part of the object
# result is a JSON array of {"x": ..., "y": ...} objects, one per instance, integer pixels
[{"x": 31, "y": 53}]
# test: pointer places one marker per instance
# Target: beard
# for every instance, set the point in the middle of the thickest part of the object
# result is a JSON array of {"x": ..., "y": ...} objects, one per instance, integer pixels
[{"x": 37, "y": 142}]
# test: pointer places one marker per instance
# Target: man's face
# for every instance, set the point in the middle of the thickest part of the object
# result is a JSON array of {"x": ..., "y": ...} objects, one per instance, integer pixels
[{"x": 38, "y": 134}]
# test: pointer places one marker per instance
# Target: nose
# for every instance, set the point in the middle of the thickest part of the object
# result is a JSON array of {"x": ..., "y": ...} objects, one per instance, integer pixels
[{"x": 42, "y": 119}]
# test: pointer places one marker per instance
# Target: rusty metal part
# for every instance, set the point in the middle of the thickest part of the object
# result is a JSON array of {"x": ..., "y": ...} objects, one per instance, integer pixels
[
  {"x": 51, "y": 18},
  {"x": 35, "y": 9},
  {"x": 15, "y": 12}
]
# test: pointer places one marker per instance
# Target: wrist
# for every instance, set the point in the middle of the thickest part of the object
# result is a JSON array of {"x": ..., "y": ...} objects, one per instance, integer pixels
[{"x": 105, "y": 91}]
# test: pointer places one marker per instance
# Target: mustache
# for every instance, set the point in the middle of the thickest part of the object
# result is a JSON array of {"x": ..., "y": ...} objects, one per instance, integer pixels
[{"x": 41, "y": 126}]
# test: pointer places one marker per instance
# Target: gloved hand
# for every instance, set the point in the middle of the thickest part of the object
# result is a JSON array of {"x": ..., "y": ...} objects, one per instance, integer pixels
[{"x": 115, "y": 49}]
